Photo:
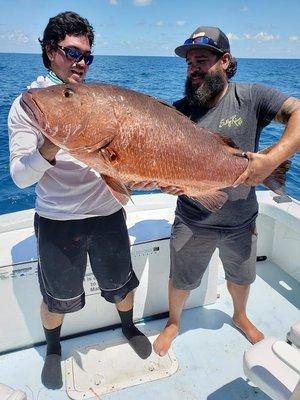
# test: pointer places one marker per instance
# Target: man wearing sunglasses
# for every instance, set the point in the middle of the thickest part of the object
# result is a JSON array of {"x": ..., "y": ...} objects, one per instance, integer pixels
[
  {"x": 76, "y": 214},
  {"x": 239, "y": 112}
]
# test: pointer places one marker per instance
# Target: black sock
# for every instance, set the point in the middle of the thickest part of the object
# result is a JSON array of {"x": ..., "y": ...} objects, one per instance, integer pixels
[
  {"x": 137, "y": 340},
  {"x": 51, "y": 376},
  {"x": 53, "y": 340}
]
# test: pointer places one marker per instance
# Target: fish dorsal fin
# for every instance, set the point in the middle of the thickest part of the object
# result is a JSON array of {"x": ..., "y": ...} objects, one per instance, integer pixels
[
  {"x": 213, "y": 201},
  {"x": 230, "y": 145},
  {"x": 226, "y": 140},
  {"x": 117, "y": 189},
  {"x": 166, "y": 104},
  {"x": 161, "y": 101}
]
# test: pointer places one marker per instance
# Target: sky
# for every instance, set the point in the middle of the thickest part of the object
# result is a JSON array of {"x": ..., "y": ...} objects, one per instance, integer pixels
[{"x": 256, "y": 28}]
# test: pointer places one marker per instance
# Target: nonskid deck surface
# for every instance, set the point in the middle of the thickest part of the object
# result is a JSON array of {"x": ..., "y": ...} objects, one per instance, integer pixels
[{"x": 209, "y": 349}]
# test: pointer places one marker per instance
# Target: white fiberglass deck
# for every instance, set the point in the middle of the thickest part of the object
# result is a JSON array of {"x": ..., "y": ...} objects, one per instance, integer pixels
[{"x": 209, "y": 349}]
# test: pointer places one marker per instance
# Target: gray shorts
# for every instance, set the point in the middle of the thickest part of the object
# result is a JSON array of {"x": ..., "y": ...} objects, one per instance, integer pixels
[
  {"x": 191, "y": 250},
  {"x": 63, "y": 247}
]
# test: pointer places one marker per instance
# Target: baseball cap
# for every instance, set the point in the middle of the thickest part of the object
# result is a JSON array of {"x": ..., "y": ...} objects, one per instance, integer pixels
[{"x": 208, "y": 37}]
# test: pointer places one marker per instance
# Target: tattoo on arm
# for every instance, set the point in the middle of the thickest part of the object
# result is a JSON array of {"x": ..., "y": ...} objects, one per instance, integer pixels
[{"x": 289, "y": 106}]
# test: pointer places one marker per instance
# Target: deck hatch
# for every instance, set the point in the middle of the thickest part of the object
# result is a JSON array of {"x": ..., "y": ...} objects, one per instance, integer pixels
[{"x": 103, "y": 368}]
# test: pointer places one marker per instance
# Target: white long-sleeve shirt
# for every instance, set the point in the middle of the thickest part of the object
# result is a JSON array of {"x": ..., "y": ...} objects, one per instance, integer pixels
[{"x": 67, "y": 190}]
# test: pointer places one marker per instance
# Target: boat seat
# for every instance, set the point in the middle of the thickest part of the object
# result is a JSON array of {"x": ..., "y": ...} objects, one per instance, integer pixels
[
  {"x": 274, "y": 366},
  {"x": 294, "y": 334},
  {"x": 7, "y": 393}
]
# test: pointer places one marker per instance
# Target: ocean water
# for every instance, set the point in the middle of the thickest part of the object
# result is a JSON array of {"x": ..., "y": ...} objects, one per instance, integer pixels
[{"x": 162, "y": 77}]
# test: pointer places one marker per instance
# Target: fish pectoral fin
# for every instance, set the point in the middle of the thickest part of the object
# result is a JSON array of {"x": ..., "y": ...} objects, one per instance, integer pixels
[
  {"x": 109, "y": 155},
  {"x": 103, "y": 143},
  {"x": 117, "y": 189},
  {"x": 213, "y": 201}
]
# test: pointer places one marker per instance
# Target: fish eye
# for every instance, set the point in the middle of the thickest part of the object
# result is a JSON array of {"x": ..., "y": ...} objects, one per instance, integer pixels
[{"x": 68, "y": 93}]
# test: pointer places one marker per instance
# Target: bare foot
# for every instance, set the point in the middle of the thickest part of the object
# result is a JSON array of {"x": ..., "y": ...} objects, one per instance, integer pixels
[
  {"x": 248, "y": 329},
  {"x": 165, "y": 339}
]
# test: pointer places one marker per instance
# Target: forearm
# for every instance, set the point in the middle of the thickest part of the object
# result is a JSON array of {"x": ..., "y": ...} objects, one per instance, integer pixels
[
  {"x": 27, "y": 164},
  {"x": 262, "y": 164},
  {"x": 28, "y": 169},
  {"x": 289, "y": 143}
]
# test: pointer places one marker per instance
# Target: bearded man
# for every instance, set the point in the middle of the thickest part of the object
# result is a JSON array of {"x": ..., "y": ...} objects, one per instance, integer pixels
[{"x": 238, "y": 112}]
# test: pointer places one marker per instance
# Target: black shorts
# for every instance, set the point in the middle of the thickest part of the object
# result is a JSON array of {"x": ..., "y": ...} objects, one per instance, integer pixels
[{"x": 62, "y": 250}]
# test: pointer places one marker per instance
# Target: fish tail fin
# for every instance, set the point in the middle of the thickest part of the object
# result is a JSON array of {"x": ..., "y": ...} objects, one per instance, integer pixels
[{"x": 276, "y": 181}]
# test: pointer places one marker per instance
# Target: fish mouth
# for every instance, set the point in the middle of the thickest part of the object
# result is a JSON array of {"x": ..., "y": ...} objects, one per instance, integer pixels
[{"x": 32, "y": 109}]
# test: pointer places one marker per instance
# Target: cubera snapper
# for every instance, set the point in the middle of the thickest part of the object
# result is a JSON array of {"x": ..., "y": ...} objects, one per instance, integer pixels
[{"x": 132, "y": 137}]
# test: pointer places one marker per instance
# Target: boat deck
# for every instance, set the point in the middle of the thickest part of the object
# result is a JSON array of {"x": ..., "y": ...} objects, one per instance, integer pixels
[{"x": 209, "y": 349}]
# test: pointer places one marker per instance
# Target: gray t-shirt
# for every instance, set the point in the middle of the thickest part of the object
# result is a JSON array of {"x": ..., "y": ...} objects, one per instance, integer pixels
[{"x": 240, "y": 115}]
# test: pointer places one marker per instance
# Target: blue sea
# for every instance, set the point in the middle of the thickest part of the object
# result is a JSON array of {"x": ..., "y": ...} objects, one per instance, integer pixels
[{"x": 161, "y": 77}]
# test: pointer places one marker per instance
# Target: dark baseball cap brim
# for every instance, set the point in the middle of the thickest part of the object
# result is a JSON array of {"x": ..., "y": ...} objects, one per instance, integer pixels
[{"x": 182, "y": 51}]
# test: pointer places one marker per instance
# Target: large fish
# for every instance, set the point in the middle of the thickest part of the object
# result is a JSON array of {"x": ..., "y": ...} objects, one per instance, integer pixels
[{"x": 131, "y": 137}]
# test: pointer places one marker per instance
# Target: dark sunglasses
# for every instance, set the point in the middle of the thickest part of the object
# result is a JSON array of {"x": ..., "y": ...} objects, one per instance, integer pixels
[
  {"x": 202, "y": 40},
  {"x": 76, "y": 55}
]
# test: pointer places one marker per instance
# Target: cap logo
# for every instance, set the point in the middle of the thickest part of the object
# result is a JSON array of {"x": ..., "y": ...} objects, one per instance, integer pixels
[{"x": 199, "y": 34}]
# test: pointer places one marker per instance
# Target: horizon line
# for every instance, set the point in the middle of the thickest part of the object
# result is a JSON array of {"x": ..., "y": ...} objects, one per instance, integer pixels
[{"x": 165, "y": 56}]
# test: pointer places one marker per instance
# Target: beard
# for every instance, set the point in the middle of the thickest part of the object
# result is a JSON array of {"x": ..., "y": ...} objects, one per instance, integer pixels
[{"x": 213, "y": 84}]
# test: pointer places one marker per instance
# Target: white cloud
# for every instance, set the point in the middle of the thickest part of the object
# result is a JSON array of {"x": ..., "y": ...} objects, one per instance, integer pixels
[
  {"x": 261, "y": 37},
  {"x": 159, "y": 23},
  {"x": 264, "y": 36},
  {"x": 142, "y": 2},
  {"x": 180, "y": 23},
  {"x": 113, "y": 2},
  {"x": 294, "y": 38},
  {"x": 232, "y": 36},
  {"x": 17, "y": 36}
]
